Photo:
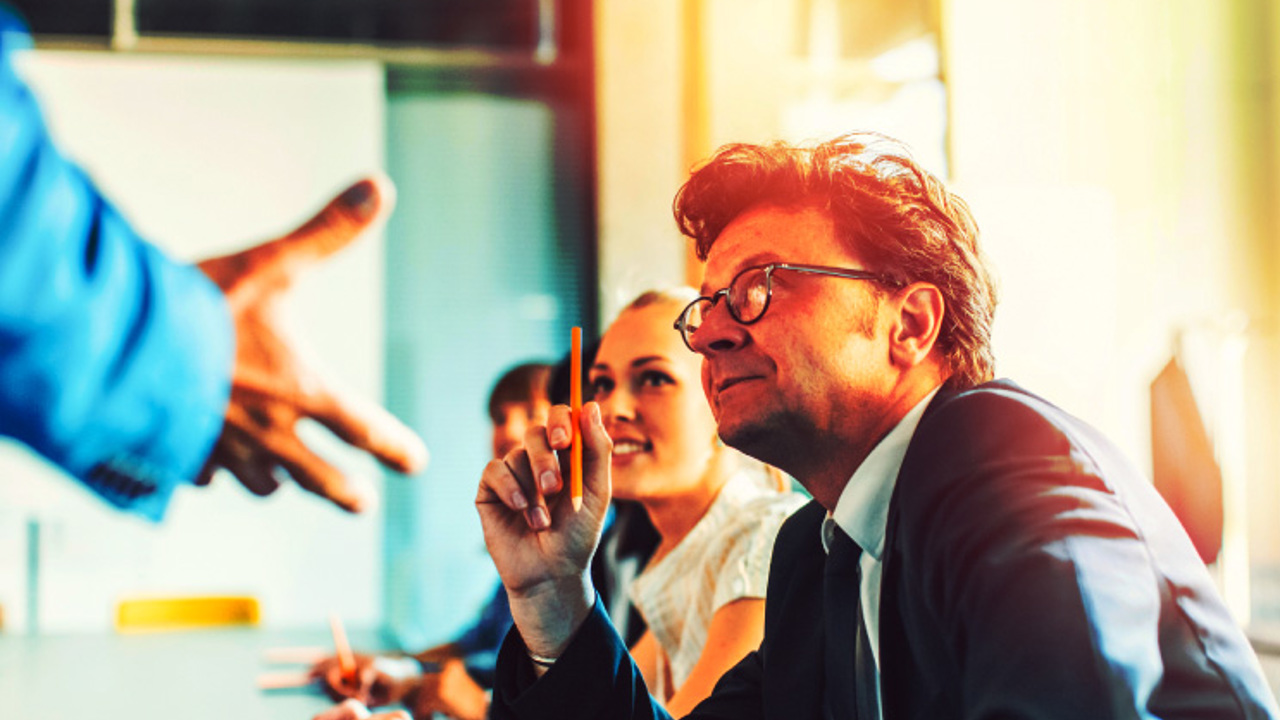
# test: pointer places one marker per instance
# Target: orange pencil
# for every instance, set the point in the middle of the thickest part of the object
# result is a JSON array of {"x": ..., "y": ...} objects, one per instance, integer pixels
[
  {"x": 346, "y": 661},
  {"x": 575, "y": 404}
]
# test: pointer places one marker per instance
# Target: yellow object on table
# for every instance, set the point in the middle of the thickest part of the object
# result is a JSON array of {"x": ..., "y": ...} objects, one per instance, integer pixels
[{"x": 185, "y": 613}]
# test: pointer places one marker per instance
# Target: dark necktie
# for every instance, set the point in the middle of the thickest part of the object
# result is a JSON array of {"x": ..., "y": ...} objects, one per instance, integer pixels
[{"x": 850, "y": 666}]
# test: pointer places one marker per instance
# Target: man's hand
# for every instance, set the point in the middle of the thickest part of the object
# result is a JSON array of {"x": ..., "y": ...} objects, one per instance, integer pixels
[
  {"x": 541, "y": 547},
  {"x": 272, "y": 388}
]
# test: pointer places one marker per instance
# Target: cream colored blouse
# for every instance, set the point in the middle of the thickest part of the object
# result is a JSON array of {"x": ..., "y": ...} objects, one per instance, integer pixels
[{"x": 723, "y": 558}]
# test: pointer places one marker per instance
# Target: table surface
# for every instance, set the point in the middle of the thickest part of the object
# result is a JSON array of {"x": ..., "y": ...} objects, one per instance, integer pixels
[
  {"x": 190, "y": 675},
  {"x": 198, "y": 675}
]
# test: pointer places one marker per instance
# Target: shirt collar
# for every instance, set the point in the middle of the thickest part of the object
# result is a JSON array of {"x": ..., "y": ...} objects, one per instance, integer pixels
[{"x": 863, "y": 508}]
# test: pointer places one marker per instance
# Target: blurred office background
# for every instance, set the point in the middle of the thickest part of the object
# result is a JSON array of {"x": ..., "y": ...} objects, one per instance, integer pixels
[{"x": 1123, "y": 160}]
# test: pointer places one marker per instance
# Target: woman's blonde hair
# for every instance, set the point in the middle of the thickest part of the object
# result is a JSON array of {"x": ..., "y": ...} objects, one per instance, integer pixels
[{"x": 677, "y": 295}]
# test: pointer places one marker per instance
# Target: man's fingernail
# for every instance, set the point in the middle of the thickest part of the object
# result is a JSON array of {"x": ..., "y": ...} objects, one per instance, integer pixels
[
  {"x": 361, "y": 199},
  {"x": 517, "y": 499},
  {"x": 540, "y": 519},
  {"x": 559, "y": 436},
  {"x": 548, "y": 481}
]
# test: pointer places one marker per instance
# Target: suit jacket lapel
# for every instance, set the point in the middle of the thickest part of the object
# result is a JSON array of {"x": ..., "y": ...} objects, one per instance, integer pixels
[
  {"x": 793, "y": 667},
  {"x": 904, "y": 685}
]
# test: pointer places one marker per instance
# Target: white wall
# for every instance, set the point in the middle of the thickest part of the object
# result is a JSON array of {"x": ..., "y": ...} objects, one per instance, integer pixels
[
  {"x": 1120, "y": 158},
  {"x": 756, "y": 85},
  {"x": 207, "y": 155},
  {"x": 1107, "y": 151},
  {"x": 641, "y": 155}
]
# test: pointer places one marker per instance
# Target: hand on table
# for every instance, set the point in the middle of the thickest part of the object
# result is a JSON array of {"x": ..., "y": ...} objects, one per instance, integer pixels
[
  {"x": 272, "y": 388},
  {"x": 541, "y": 547},
  {"x": 451, "y": 691},
  {"x": 370, "y": 686},
  {"x": 354, "y": 710}
]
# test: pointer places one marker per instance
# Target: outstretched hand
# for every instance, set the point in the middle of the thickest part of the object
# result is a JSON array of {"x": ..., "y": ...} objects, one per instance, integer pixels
[
  {"x": 541, "y": 547},
  {"x": 272, "y": 388}
]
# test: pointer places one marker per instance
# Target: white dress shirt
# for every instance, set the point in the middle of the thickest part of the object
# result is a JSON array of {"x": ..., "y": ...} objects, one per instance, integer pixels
[
  {"x": 725, "y": 557},
  {"x": 863, "y": 510}
]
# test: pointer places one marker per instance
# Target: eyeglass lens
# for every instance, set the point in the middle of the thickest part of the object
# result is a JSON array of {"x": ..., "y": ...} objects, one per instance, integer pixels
[
  {"x": 749, "y": 293},
  {"x": 747, "y": 297}
]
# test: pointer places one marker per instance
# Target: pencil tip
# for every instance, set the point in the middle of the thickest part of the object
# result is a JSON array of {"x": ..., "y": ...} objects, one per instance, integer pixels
[{"x": 576, "y": 502}]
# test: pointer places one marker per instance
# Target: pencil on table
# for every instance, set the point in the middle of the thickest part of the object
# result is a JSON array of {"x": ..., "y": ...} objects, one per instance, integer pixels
[
  {"x": 575, "y": 404},
  {"x": 346, "y": 661},
  {"x": 290, "y": 680}
]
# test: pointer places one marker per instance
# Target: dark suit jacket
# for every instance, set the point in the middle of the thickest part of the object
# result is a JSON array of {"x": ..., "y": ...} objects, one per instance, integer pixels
[{"x": 1029, "y": 572}]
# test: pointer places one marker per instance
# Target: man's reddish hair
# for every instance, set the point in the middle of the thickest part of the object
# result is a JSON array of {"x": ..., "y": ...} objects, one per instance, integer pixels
[{"x": 893, "y": 214}]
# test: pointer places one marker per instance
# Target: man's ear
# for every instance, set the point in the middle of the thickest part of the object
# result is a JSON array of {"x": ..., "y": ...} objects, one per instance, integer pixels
[{"x": 919, "y": 309}]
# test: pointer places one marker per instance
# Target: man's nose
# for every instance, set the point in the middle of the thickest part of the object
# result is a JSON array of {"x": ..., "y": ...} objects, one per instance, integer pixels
[{"x": 719, "y": 332}]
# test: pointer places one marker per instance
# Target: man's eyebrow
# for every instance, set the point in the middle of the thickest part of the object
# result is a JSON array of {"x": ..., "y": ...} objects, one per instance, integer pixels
[
  {"x": 761, "y": 258},
  {"x": 756, "y": 260}
]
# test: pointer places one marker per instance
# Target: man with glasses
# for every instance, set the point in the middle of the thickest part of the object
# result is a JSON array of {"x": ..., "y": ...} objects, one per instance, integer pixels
[{"x": 971, "y": 550}]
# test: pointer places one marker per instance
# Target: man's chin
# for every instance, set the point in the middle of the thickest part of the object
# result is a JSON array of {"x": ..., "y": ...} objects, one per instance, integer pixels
[{"x": 749, "y": 438}]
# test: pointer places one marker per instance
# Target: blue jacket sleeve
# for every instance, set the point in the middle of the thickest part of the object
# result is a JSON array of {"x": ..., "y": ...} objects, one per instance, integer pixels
[
  {"x": 115, "y": 361},
  {"x": 485, "y": 636},
  {"x": 479, "y": 643}
]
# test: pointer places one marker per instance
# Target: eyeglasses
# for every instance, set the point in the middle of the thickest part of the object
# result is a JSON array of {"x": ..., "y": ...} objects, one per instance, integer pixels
[{"x": 750, "y": 291}]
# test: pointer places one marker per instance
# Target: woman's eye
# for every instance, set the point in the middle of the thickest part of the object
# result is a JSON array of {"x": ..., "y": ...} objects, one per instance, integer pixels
[
  {"x": 653, "y": 378},
  {"x": 601, "y": 387}
]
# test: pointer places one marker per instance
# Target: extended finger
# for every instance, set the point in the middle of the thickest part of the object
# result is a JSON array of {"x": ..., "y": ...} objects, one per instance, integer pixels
[
  {"x": 520, "y": 467},
  {"x": 369, "y": 427},
  {"x": 317, "y": 476},
  {"x": 253, "y": 469},
  {"x": 341, "y": 221},
  {"x": 257, "y": 478},
  {"x": 544, "y": 463},
  {"x": 499, "y": 484},
  {"x": 560, "y": 427}
]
